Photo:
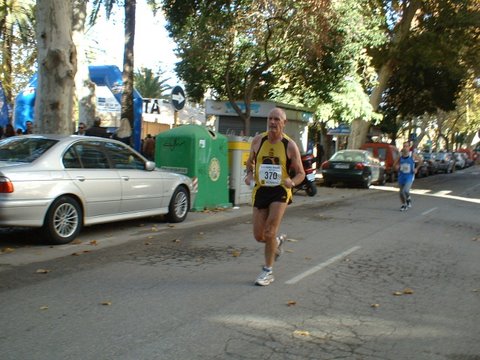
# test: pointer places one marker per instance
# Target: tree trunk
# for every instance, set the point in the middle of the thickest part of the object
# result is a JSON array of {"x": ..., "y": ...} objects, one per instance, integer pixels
[
  {"x": 56, "y": 67},
  {"x": 84, "y": 87},
  {"x": 7, "y": 65},
  {"x": 128, "y": 63},
  {"x": 359, "y": 128},
  {"x": 358, "y": 133}
]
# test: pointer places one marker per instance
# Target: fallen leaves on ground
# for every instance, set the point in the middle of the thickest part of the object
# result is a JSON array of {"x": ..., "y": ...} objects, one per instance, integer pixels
[
  {"x": 375, "y": 305},
  {"x": 7, "y": 250},
  {"x": 106, "y": 303},
  {"x": 406, "y": 291},
  {"x": 42, "y": 271},
  {"x": 291, "y": 303},
  {"x": 236, "y": 253},
  {"x": 78, "y": 253},
  {"x": 176, "y": 240},
  {"x": 93, "y": 243},
  {"x": 301, "y": 333},
  {"x": 292, "y": 240},
  {"x": 44, "y": 307}
]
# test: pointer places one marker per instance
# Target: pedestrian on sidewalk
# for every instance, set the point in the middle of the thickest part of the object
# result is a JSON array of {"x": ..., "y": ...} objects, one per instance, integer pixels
[
  {"x": 272, "y": 155},
  {"x": 405, "y": 165}
]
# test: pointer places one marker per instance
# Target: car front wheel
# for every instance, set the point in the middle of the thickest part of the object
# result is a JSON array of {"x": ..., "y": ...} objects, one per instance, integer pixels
[
  {"x": 179, "y": 205},
  {"x": 63, "y": 221}
]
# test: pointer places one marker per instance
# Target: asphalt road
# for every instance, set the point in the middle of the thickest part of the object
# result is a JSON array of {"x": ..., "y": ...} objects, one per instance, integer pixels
[{"x": 358, "y": 280}]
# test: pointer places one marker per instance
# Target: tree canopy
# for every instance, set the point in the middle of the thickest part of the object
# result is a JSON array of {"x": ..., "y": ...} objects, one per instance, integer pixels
[{"x": 351, "y": 61}]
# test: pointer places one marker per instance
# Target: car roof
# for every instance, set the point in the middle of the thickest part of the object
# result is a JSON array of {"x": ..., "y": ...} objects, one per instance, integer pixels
[{"x": 373, "y": 144}]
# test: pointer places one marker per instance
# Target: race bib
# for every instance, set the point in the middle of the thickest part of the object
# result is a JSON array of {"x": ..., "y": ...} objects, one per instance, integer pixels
[
  {"x": 270, "y": 175},
  {"x": 405, "y": 168}
]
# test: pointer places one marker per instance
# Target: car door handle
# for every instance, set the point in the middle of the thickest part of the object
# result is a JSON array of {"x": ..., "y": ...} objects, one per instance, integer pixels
[
  {"x": 80, "y": 178},
  {"x": 126, "y": 178}
]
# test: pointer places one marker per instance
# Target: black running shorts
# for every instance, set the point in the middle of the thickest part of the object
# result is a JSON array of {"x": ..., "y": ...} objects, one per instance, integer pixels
[{"x": 265, "y": 195}]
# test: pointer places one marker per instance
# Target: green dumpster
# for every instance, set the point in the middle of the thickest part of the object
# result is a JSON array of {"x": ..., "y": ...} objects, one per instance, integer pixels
[{"x": 199, "y": 153}]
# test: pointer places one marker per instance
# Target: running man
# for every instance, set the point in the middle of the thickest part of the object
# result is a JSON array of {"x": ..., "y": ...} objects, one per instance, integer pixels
[
  {"x": 272, "y": 155},
  {"x": 406, "y": 174}
]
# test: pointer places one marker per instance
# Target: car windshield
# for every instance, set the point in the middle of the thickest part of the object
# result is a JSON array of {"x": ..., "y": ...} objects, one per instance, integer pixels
[
  {"x": 23, "y": 149},
  {"x": 348, "y": 156}
]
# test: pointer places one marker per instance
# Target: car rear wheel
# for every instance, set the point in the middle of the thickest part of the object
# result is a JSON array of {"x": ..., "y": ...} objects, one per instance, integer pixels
[
  {"x": 367, "y": 181},
  {"x": 63, "y": 221},
  {"x": 179, "y": 205}
]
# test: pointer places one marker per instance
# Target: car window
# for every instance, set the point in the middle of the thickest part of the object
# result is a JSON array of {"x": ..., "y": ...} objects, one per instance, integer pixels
[
  {"x": 90, "y": 155},
  {"x": 382, "y": 153},
  {"x": 338, "y": 157},
  {"x": 124, "y": 158},
  {"x": 358, "y": 158},
  {"x": 369, "y": 149},
  {"x": 24, "y": 149},
  {"x": 71, "y": 160}
]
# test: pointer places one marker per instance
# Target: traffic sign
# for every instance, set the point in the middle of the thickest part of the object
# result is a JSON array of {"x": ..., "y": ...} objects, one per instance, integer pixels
[{"x": 178, "y": 98}]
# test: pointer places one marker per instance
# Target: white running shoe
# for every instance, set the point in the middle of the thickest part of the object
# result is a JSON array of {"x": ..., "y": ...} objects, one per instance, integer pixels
[{"x": 265, "y": 278}]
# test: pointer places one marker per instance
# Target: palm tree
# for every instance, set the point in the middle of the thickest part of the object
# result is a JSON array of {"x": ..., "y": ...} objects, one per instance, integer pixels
[
  {"x": 128, "y": 55},
  {"x": 16, "y": 29},
  {"x": 150, "y": 85}
]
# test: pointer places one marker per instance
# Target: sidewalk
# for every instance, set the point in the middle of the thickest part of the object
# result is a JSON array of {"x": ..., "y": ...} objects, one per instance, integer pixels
[{"x": 324, "y": 195}]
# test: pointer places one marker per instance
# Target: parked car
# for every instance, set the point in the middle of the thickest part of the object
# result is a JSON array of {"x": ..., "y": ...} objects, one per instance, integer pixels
[
  {"x": 470, "y": 156},
  {"x": 386, "y": 153},
  {"x": 460, "y": 162},
  {"x": 61, "y": 183},
  {"x": 421, "y": 165},
  {"x": 445, "y": 162},
  {"x": 429, "y": 160},
  {"x": 353, "y": 167}
]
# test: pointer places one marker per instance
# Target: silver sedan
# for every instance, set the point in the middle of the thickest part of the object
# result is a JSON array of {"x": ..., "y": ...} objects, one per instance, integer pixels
[{"x": 61, "y": 183}]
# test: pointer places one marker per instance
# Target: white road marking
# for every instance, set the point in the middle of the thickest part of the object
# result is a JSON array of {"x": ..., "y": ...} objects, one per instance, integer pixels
[
  {"x": 429, "y": 211},
  {"x": 321, "y": 266}
]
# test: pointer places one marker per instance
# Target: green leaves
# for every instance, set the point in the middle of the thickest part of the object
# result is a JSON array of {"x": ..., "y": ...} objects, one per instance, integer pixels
[{"x": 150, "y": 85}]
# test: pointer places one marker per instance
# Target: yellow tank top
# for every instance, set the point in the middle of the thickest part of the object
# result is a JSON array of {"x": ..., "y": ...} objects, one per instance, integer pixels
[{"x": 272, "y": 164}]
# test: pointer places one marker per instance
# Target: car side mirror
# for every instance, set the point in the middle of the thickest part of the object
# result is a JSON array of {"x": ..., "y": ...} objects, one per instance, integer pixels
[{"x": 150, "y": 165}]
